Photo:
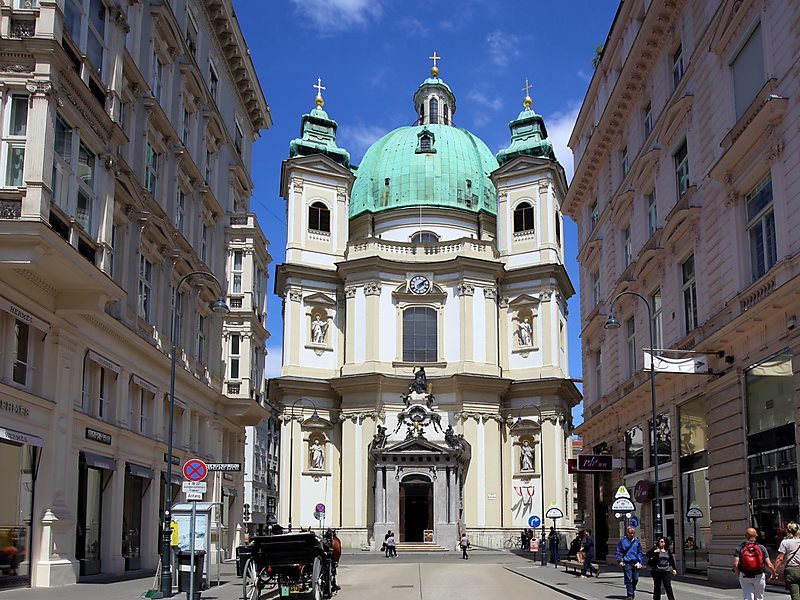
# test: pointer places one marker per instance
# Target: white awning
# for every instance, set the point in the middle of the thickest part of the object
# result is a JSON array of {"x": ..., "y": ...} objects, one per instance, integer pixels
[
  {"x": 103, "y": 362},
  {"x": 23, "y": 315},
  {"x": 20, "y": 438},
  {"x": 145, "y": 385}
]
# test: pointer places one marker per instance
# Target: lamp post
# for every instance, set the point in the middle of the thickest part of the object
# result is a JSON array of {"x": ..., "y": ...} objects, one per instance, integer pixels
[
  {"x": 612, "y": 323},
  {"x": 218, "y": 307},
  {"x": 541, "y": 468},
  {"x": 314, "y": 415}
]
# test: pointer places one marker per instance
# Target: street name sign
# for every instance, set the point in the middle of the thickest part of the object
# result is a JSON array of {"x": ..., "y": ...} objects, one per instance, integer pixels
[{"x": 224, "y": 466}]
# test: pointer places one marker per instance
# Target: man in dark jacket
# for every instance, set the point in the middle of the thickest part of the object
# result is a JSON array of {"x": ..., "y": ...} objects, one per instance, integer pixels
[
  {"x": 630, "y": 557},
  {"x": 588, "y": 554}
]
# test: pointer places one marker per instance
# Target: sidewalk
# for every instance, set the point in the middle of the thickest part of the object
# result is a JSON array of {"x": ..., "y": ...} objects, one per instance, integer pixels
[{"x": 611, "y": 586}]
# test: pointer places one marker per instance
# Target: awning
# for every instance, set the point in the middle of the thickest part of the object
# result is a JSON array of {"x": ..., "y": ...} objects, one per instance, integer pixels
[
  {"x": 145, "y": 385},
  {"x": 24, "y": 315},
  {"x": 176, "y": 477},
  {"x": 99, "y": 461},
  {"x": 20, "y": 438},
  {"x": 228, "y": 491},
  {"x": 103, "y": 361},
  {"x": 140, "y": 471}
]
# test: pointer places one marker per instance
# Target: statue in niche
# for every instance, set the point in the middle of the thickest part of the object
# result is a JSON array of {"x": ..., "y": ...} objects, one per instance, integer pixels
[
  {"x": 526, "y": 456},
  {"x": 318, "y": 330},
  {"x": 379, "y": 439},
  {"x": 420, "y": 383},
  {"x": 525, "y": 332},
  {"x": 317, "y": 456}
]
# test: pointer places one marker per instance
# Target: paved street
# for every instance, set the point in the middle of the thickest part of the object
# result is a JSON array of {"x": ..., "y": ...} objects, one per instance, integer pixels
[{"x": 365, "y": 576}]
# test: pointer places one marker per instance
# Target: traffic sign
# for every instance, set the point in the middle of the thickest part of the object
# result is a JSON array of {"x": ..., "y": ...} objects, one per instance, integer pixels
[
  {"x": 633, "y": 521},
  {"x": 554, "y": 513},
  {"x": 194, "y": 496},
  {"x": 320, "y": 508},
  {"x": 534, "y": 521},
  {"x": 195, "y": 469},
  {"x": 195, "y": 487}
]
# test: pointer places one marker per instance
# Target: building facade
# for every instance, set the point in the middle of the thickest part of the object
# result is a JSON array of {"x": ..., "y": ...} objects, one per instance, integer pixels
[
  {"x": 424, "y": 345},
  {"x": 685, "y": 192},
  {"x": 126, "y": 141}
]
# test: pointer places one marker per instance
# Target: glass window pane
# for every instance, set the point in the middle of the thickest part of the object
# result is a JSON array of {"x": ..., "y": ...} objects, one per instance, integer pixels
[
  {"x": 19, "y": 116},
  {"x": 748, "y": 72},
  {"x": 634, "y": 450},
  {"x": 664, "y": 439},
  {"x": 693, "y": 426},
  {"x": 86, "y": 162},
  {"x": 83, "y": 213},
  {"x": 15, "y": 166},
  {"x": 769, "y": 389},
  {"x": 63, "y": 139}
]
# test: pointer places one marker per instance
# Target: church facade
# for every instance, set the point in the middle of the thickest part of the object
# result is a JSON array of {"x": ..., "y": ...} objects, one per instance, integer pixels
[{"x": 424, "y": 385}]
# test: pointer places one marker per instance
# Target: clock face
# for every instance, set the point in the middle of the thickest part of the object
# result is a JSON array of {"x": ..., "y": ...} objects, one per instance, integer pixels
[{"x": 419, "y": 284}]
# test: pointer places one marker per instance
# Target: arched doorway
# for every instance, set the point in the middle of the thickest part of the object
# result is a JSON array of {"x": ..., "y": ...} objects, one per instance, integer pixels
[{"x": 416, "y": 508}]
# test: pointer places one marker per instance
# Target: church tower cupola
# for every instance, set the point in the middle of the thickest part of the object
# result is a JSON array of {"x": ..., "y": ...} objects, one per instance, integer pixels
[
  {"x": 528, "y": 134},
  {"x": 433, "y": 100},
  {"x": 318, "y": 133}
]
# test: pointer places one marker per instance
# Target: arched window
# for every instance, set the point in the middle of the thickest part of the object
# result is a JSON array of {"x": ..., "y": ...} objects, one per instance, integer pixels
[
  {"x": 523, "y": 217},
  {"x": 319, "y": 217},
  {"x": 434, "y": 111},
  {"x": 424, "y": 237},
  {"x": 425, "y": 143},
  {"x": 446, "y": 112},
  {"x": 422, "y": 113},
  {"x": 419, "y": 335}
]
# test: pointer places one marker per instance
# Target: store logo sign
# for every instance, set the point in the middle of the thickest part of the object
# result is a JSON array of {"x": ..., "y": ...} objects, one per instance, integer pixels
[
  {"x": 14, "y": 408},
  {"x": 98, "y": 436}
]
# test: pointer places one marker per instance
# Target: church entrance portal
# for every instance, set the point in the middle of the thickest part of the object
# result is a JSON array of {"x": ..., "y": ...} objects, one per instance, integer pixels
[{"x": 416, "y": 508}]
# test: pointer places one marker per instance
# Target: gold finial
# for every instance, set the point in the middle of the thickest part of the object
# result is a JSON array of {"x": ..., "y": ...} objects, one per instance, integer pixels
[
  {"x": 319, "y": 87},
  {"x": 434, "y": 68},
  {"x": 527, "y": 101}
]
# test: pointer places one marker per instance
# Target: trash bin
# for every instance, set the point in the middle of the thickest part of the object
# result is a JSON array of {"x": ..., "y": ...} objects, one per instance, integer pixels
[{"x": 185, "y": 571}]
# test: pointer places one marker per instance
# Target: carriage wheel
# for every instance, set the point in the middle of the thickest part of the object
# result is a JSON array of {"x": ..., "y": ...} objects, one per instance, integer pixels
[
  {"x": 251, "y": 584},
  {"x": 316, "y": 580}
]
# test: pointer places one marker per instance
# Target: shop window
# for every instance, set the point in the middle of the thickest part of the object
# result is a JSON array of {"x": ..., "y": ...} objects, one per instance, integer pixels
[
  {"x": 523, "y": 218},
  {"x": 132, "y": 521},
  {"x": 19, "y": 463},
  {"x": 761, "y": 229},
  {"x": 663, "y": 441},
  {"x": 420, "y": 334},
  {"x": 748, "y": 71},
  {"x": 693, "y": 427},
  {"x": 12, "y": 147},
  {"x": 769, "y": 380},
  {"x": 319, "y": 217},
  {"x": 74, "y": 175},
  {"x": 634, "y": 450}
]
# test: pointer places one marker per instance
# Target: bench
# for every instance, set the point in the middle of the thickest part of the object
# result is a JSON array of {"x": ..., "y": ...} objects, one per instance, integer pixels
[{"x": 573, "y": 564}]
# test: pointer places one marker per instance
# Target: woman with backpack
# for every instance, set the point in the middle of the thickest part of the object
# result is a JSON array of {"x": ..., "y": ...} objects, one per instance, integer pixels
[
  {"x": 662, "y": 567},
  {"x": 789, "y": 551}
]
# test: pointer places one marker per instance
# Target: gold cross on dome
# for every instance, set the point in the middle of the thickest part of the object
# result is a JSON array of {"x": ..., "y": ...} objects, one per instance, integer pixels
[
  {"x": 434, "y": 68},
  {"x": 527, "y": 87},
  {"x": 319, "y": 87}
]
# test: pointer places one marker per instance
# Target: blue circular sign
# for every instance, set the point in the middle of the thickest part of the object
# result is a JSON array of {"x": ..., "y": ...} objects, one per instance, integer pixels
[
  {"x": 534, "y": 521},
  {"x": 633, "y": 521}
]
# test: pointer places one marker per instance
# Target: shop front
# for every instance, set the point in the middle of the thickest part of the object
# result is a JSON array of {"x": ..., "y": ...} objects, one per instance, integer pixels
[
  {"x": 20, "y": 454},
  {"x": 138, "y": 480},
  {"x": 695, "y": 507},
  {"x": 95, "y": 472}
]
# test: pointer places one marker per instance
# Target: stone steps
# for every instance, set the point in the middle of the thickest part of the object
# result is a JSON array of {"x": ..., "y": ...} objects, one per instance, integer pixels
[{"x": 419, "y": 547}]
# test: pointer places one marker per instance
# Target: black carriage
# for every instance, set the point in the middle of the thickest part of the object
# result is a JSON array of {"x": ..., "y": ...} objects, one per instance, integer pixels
[{"x": 298, "y": 564}]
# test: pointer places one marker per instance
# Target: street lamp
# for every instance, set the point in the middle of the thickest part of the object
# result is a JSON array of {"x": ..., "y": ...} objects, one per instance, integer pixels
[
  {"x": 612, "y": 323},
  {"x": 218, "y": 307},
  {"x": 314, "y": 415},
  {"x": 541, "y": 468}
]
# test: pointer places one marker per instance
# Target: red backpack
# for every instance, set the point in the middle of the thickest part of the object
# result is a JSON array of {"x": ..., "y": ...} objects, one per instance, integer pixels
[{"x": 751, "y": 560}]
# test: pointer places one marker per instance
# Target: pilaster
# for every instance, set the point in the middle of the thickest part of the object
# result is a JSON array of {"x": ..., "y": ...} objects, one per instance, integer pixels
[{"x": 40, "y": 141}]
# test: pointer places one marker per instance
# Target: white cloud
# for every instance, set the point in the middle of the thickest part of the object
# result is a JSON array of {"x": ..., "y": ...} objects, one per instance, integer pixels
[
  {"x": 357, "y": 138},
  {"x": 331, "y": 16},
  {"x": 583, "y": 75},
  {"x": 480, "y": 120},
  {"x": 414, "y": 27},
  {"x": 559, "y": 127},
  {"x": 482, "y": 99},
  {"x": 503, "y": 47}
]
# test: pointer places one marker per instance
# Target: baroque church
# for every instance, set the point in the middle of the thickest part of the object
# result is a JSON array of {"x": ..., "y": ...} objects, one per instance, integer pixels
[{"x": 424, "y": 385}]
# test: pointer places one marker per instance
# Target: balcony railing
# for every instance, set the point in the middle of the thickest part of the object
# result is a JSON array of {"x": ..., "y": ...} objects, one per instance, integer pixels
[{"x": 439, "y": 251}]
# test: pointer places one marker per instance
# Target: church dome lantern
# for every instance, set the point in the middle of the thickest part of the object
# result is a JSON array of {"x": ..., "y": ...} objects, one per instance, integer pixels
[
  {"x": 434, "y": 100},
  {"x": 528, "y": 134}
]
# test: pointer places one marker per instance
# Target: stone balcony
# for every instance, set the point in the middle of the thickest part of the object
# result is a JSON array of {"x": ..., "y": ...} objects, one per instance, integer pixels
[{"x": 433, "y": 252}]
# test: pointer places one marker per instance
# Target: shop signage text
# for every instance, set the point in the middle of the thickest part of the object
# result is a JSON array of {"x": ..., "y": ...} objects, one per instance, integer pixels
[
  {"x": 643, "y": 491},
  {"x": 14, "y": 408},
  {"x": 175, "y": 459},
  {"x": 595, "y": 463},
  {"x": 224, "y": 466},
  {"x": 98, "y": 436}
]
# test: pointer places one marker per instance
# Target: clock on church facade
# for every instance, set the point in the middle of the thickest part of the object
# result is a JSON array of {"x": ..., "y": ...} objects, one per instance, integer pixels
[{"x": 424, "y": 382}]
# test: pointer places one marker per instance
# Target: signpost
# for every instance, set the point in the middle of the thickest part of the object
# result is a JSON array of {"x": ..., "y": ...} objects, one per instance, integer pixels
[
  {"x": 195, "y": 471},
  {"x": 534, "y": 521},
  {"x": 633, "y": 521},
  {"x": 622, "y": 505},
  {"x": 319, "y": 513},
  {"x": 694, "y": 513}
]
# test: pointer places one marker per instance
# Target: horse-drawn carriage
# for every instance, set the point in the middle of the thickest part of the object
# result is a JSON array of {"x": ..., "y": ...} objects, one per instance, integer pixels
[{"x": 300, "y": 565}]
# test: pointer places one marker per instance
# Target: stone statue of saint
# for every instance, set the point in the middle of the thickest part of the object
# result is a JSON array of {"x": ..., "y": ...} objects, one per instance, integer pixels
[
  {"x": 379, "y": 439},
  {"x": 525, "y": 332},
  {"x": 526, "y": 456},
  {"x": 317, "y": 456},
  {"x": 318, "y": 329},
  {"x": 420, "y": 383}
]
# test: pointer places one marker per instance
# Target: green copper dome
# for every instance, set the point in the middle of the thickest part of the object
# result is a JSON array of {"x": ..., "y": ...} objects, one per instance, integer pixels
[{"x": 425, "y": 165}]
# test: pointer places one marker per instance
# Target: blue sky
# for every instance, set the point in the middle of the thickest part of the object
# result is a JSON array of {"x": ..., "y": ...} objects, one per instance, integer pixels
[{"x": 372, "y": 55}]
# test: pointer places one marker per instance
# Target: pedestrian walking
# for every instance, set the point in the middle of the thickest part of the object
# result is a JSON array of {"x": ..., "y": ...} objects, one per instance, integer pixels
[
  {"x": 464, "y": 543},
  {"x": 385, "y": 546},
  {"x": 553, "y": 540},
  {"x": 749, "y": 561},
  {"x": 629, "y": 556},
  {"x": 575, "y": 546},
  {"x": 391, "y": 546},
  {"x": 789, "y": 558},
  {"x": 523, "y": 539},
  {"x": 588, "y": 554},
  {"x": 662, "y": 567}
]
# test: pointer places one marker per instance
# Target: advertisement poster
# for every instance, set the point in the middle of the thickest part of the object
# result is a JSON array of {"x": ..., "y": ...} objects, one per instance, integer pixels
[{"x": 184, "y": 530}]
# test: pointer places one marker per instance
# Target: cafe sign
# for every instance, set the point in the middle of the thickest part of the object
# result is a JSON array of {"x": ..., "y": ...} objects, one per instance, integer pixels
[{"x": 595, "y": 463}]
